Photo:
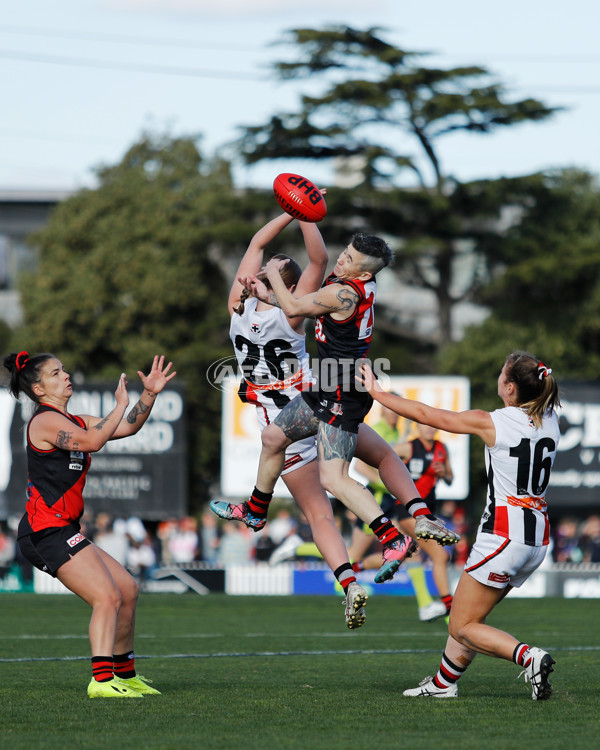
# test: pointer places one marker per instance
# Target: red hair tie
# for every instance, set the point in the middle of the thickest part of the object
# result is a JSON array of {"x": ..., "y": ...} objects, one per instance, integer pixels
[
  {"x": 543, "y": 371},
  {"x": 21, "y": 360}
]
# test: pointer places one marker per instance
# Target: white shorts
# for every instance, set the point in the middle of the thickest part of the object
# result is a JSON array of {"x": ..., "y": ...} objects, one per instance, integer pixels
[
  {"x": 297, "y": 454},
  {"x": 499, "y": 562}
]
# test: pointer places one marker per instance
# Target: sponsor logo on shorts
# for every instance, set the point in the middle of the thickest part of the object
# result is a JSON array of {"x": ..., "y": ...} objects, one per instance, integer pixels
[
  {"x": 498, "y": 577},
  {"x": 292, "y": 460},
  {"x": 74, "y": 540}
]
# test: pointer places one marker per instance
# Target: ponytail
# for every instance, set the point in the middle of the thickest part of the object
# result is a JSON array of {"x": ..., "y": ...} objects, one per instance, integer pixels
[
  {"x": 243, "y": 297},
  {"x": 24, "y": 372},
  {"x": 537, "y": 389}
]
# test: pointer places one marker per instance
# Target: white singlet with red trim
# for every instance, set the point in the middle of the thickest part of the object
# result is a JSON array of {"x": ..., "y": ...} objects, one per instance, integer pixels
[
  {"x": 518, "y": 472},
  {"x": 271, "y": 355},
  {"x": 275, "y": 369}
]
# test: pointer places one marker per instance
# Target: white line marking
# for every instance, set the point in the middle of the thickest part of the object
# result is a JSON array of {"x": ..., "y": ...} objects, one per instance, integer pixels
[{"x": 246, "y": 654}]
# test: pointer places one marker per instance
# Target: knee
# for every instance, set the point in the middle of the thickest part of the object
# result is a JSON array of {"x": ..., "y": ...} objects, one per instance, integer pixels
[
  {"x": 456, "y": 631},
  {"x": 129, "y": 593},
  {"x": 111, "y": 599},
  {"x": 330, "y": 482},
  {"x": 273, "y": 438}
]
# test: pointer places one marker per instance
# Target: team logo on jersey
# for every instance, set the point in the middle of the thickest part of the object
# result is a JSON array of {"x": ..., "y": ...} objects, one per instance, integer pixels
[
  {"x": 76, "y": 460},
  {"x": 254, "y": 328},
  {"x": 337, "y": 410}
]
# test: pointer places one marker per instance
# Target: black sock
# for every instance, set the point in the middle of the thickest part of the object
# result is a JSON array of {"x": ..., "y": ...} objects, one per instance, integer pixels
[
  {"x": 384, "y": 530},
  {"x": 259, "y": 502}
]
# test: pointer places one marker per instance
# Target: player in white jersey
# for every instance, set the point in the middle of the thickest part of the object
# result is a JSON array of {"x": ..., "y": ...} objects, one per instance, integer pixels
[
  {"x": 521, "y": 440},
  {"x": 275, "y": 367},
  {"x": 272, "y": 357}
]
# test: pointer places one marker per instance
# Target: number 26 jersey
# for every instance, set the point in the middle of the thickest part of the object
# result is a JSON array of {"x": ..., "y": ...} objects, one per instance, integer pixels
[{"x": 271, "y": 355}]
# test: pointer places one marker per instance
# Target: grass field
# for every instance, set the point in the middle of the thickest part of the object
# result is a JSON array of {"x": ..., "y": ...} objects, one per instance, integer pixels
[{"x": 284, "y": 672}]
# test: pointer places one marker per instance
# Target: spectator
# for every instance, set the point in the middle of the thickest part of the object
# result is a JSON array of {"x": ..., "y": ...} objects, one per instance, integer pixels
[
  {"x": 209, "y": 537},
  {"x": 236, "y": 546},
  {"x": 111, "y": 540},
  {"x": 7, "y": 549},
  {"x": 183, "y": 542},
  {"x": 566, "y": 541},
  {"x": 590, "y": 539}
]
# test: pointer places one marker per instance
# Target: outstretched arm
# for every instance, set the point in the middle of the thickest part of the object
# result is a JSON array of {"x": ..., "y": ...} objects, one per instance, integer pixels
[
  {"x": 252, "y": 261},
  {"x": 337, "y": 300},
  {"x": 53, "y": 430},
  {"x": 472, "y": 422},
  {"x": 314, "y": 273},
  {"x": 153, "y": 384}
]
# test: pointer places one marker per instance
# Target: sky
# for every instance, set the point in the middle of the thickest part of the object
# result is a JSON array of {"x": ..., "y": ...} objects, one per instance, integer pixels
[{"x": 82, "y": 80}]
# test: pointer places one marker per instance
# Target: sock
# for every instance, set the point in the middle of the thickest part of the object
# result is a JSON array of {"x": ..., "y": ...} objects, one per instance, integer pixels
[
  {"x": 447, "y": 600},
  {"x": 259, "y": 502},
  {"x": 124, "y": 665},
  {"x": 418, "y": 508},
  {"x": 384, "y": 530},
  {"x": 358, "y": 566},
  {"x": 521, "y": 655},
  {"x": 102, "y": 668},
  {"x": 448, "y": 673},
  {"x": 345, "y": 575},
  {"x": 416, "y": 574}
]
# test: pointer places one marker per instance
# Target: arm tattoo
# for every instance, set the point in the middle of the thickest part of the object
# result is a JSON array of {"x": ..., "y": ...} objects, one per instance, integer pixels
[
  {"x": 63, "y": 439},
  {"x": 101, "y": 424},
  {"x": 139, "y": 408},
  {"x": 347, "y": 300},
  {"x": 272, "y": 299}
]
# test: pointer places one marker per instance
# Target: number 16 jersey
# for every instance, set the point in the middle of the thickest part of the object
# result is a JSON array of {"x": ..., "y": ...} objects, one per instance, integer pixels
[{"x": 518, "y": 472}]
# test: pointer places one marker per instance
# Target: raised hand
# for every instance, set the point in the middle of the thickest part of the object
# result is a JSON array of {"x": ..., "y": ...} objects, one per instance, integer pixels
[{"x": 158, "y": 376}]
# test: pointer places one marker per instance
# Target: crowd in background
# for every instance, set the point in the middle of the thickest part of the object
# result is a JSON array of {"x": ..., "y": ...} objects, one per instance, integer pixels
[{"x": 144, "y": 546}]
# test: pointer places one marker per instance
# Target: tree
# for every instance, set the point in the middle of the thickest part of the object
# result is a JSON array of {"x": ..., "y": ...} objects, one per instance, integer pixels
[
  {"x": 546, "y": 298},
  {"x": 548, "y": 292},
  {"x": 383, "y": 113},
  {"x": 134, "y": 268}
]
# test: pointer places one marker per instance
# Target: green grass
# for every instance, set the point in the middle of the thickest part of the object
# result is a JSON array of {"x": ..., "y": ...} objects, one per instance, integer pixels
[{"x": 283, "y": 672}]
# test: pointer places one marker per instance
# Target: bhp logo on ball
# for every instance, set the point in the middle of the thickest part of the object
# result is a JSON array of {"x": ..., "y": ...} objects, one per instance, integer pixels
[
  {"x": 301, "y": 183},
  {"x": 299, "y": 197}
]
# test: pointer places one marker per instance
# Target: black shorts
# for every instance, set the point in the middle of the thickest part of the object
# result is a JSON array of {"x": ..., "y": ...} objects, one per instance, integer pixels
[
  {"x": 50, "y": 548},
  {"x": 347, "y": 414}
]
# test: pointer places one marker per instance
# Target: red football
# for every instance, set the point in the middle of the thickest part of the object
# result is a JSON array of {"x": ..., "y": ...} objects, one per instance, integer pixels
[{"x": 299, "y": 197}]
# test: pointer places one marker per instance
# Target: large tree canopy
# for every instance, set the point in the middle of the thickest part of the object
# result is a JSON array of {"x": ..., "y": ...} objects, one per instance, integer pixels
[{"x": 380, "y": 113}]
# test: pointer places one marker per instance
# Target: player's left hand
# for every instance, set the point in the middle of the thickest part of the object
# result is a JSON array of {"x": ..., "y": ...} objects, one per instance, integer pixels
[
  {"x": 367, "y": 379},
  {"x": 274, "y": 267},
  {"x": 255, "y": 286},
  {"x": 158, "y": 376}
]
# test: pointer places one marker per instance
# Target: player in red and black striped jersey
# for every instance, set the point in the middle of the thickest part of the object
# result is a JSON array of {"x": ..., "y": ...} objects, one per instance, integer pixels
[
  {"x": 521, "y": 441},
  {"x": 58, "y": 456}
]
